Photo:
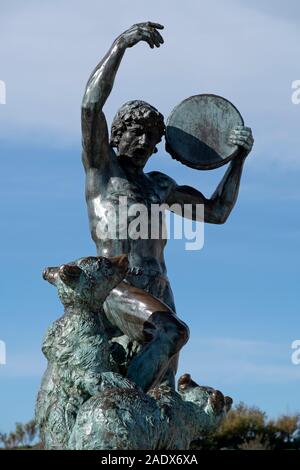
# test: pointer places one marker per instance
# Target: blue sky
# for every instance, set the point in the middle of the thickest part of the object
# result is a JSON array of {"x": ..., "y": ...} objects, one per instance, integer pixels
[{"x": 239, "y": 294}]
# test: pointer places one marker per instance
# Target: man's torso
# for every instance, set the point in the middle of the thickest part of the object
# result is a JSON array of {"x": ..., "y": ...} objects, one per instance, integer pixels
[{"x": 116, "y": 222}]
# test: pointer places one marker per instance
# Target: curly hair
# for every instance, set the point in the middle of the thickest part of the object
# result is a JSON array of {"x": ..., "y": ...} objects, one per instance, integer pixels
[{"x": 134, "y": 112}]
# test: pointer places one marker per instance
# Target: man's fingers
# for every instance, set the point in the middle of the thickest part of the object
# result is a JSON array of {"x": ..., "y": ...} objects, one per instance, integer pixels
[
  {"x": 149, "y": 41},
  {"x": 151, "y": 38},
  {"x": 241, "y": 128},
  {"x": 148, "y": 32},
  {"x": 158, "y": 36},
  {"x": 246, "y": 146},
  {"x": 155, "y": 38},
  {"x": 147, "y": 36},
  {"x": 243, "y": 143},
  {"x": 242, "y": 136},
  {"x": 240, "y": 132},
  {"x": 155, "y": 25},
  {"x": 154, "y": 35}
]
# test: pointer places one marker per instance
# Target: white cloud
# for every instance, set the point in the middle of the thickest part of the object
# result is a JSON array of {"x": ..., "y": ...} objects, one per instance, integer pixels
[
  {"x": 247, "y": 54},
  {"x": 212, "y": 361},
  {"x": 233, "y": 361},
  {"x": 289, "y": 12}
]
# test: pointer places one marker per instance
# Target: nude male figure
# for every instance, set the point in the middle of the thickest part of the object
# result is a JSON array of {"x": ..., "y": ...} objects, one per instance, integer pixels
[{"x": 142, "y": 306}]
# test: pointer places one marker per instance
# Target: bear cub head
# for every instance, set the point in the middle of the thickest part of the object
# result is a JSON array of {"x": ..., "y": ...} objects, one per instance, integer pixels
[{"x": 87, "y": 282}]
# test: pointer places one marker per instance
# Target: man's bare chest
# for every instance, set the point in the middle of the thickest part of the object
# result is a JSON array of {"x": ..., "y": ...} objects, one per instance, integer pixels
[{"x": 133, "y": 192}]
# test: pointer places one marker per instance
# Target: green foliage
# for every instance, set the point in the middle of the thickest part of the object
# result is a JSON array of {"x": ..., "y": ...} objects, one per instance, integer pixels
[
  {"x": 22, "y": 436},
  {"x": 247, "y": 428}
]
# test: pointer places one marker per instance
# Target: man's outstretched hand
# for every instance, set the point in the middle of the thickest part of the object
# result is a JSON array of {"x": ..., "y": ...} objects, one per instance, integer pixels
[
  {"x": 242, "y": 136},
  {"x": 147, "y": 32}
]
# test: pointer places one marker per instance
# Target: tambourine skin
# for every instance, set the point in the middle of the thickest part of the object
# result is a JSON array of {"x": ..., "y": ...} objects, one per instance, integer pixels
[{"x": 197, "y": 131}]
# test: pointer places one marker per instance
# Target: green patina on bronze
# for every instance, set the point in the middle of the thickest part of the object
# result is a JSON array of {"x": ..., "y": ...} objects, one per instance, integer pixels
[
  {"x": 84, "y": 401},
  {"x": 113, "y": 355}
]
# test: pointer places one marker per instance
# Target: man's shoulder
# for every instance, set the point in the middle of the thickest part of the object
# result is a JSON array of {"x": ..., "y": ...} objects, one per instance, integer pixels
[{"x": 161, "y": 179}]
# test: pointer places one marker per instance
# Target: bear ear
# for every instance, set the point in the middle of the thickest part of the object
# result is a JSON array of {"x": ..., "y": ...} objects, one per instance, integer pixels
[{"x": 69, "y": 273}]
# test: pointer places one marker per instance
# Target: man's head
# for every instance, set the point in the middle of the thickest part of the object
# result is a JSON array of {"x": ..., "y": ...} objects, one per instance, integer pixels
[{"x": 136, "y": 130}]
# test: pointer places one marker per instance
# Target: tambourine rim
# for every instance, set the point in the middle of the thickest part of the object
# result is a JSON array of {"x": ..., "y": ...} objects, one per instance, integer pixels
[{"x": 201, "y": 166}]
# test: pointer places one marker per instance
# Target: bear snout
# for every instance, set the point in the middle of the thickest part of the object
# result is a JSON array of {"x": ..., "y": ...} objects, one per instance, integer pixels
[{"x": 50, "y": 274}]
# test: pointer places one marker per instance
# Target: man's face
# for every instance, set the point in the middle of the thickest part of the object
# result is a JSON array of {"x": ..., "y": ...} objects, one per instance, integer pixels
[{"x": 138, "y": 143}]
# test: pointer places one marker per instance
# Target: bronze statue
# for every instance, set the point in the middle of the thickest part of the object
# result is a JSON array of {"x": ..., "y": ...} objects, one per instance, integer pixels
[
  {"x": 142, "y": 306},
  {"x": 84, "y": 401},
  {"x": 112, "y": 356}
]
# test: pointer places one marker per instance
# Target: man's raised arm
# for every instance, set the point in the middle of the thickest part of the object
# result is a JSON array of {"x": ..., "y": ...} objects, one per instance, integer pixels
[
  {"x": 95, "y": 139},
  {"x": 221, "y": 203}
]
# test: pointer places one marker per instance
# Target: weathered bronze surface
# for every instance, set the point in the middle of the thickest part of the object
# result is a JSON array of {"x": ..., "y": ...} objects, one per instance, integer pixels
[
  {"x": 85, "y": 401},
  {"x": 112, "y": 357},
  {"x": 136, "y": 130},
  {"x": 198, "y": 129}
]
